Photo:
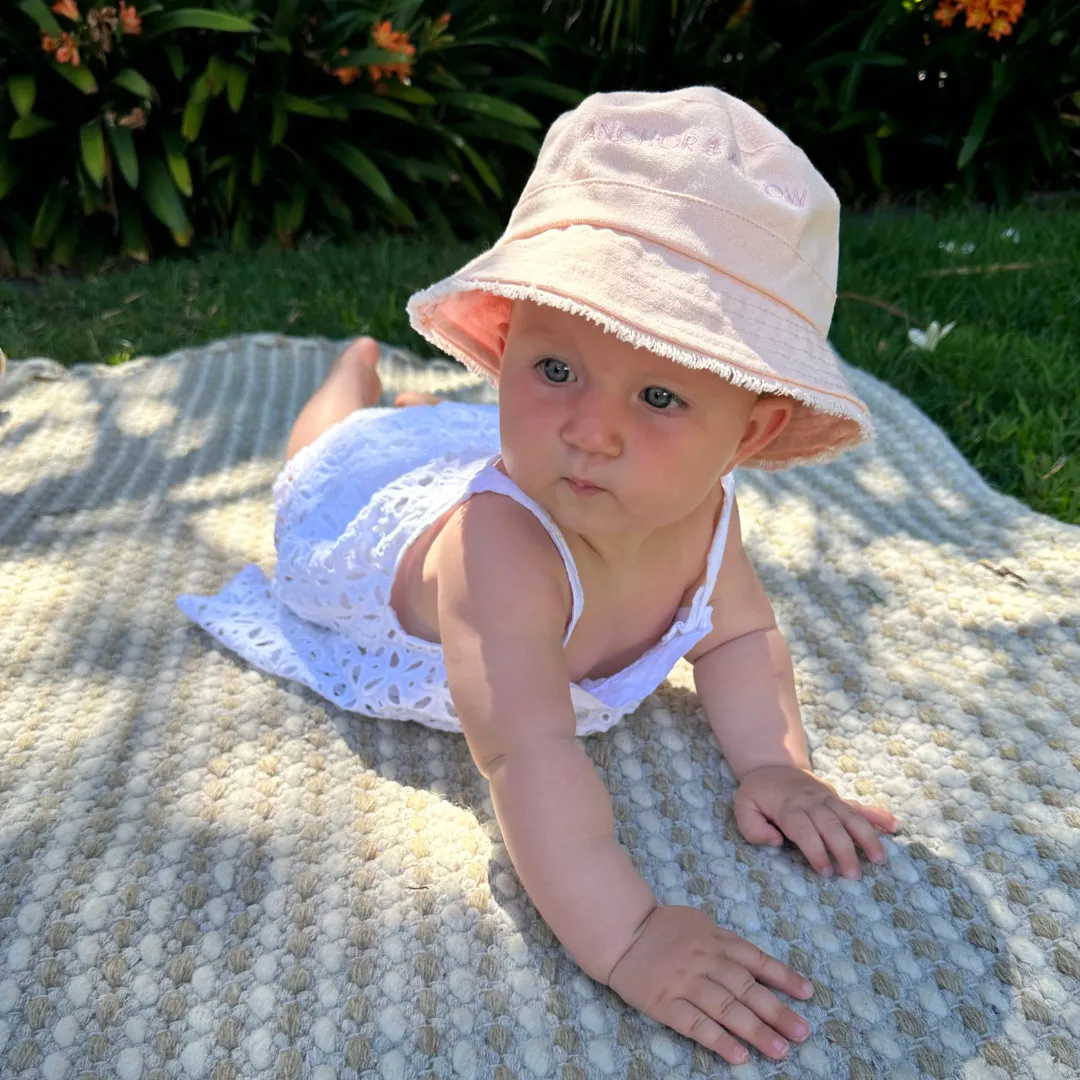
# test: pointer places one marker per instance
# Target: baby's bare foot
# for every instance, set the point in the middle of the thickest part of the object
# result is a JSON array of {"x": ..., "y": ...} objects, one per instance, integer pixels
[{"x": 357, "y": 365}]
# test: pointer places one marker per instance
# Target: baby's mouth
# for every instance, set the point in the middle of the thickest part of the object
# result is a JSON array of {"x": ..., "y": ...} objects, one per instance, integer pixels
[{"x": 582, "y": 487}]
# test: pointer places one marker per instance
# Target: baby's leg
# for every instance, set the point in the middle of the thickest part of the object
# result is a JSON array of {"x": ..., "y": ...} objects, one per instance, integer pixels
[{"x": 353, "y": 383}]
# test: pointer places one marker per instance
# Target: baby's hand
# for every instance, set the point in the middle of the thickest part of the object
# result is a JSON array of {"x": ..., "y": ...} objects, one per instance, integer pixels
[
  {"x": 807, "y": 811},
  {"x": 699, "y": 979}
]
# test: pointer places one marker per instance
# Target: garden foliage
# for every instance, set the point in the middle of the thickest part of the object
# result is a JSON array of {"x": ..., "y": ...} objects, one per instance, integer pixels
[{"x": 136, "y": 126}]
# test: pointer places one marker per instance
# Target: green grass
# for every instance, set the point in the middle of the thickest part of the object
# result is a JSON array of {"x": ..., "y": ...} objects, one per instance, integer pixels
[{"x": 1004, "y": 384}]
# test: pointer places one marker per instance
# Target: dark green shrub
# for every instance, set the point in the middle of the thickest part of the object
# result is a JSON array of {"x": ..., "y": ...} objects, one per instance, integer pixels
[
  {"x": 859, "y": 86},
  {"x": 256, "y": 118}
]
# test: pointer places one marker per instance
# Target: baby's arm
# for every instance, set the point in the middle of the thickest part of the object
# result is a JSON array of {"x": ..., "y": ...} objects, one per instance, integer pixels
[
  {"x": 743, "y": 672},
  {"x": 744, "y": 676},
  {"x": 502, "y": 603}
]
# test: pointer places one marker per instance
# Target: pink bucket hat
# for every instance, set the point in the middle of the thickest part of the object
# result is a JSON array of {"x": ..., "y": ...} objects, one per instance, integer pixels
[{"x": 683, "y": 223}]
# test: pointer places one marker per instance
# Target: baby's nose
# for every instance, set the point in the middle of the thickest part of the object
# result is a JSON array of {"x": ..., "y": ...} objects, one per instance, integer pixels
[{"x": 595, "y": 425}]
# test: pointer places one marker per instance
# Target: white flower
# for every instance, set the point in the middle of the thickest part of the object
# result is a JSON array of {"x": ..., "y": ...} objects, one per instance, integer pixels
[
  {"x": 950, "y": 245},
  {"x": 1011, "y": 234},
  {"x": 928, "y": 339}
]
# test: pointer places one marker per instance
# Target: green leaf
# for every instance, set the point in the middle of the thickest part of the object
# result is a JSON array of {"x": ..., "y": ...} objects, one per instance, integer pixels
[
  {"x": 362, "y": 167},
  {"x": 357, "y": 99},
  {"x": 398, "y": 211},
  {"x": 48, "y": 218},
  {"x": 417, "y": 170},
  {"x": 258, "y": 167},
  {"x": 482, "y": 168},
  {"x": 309, "y": 107},
  {"x": 26, "y": 127},
  {"x": 297, "y": 208},
  {"x": 194, "y": 113},
  {"x": 79, "y": 77},
  {"x": 132, "y": 235},
  {"x": 1044, "y": 140},
  {"x": 565, "y": 94},
  {"x": 164, "y": 200},
  {"x": 132, "y": 81},
  {"x": 441, "y": 77},
  {"x": 491, "y": 107},
  {"x": 67, "y": 243},
  {"x": 848, "y": 88},
  {"x": 123, "y": 145},
  {"x": 273, "y": 43},
  {"x": 217, "y": 75},
  {"x": 412, "y": 94},
  {"x": 10, "y": 174},
  {"x": 504, "y": 133},
  {"x": 974, "y": 137},
  {"x": 365, "y": 58},
  {"x": 201, "y": 91},
  {"x": 1031, "y": 28},
  {"x": 197, "y": 19},
  {"x": 40, "y": 13},
  {"x": 23, "y": 90},
  {"x": 237, "y": 80},
  {"x": 279, "y": 126},
  {"x": 847, "y": 59},
  {"x": 92, "y": 144},
  {"x": 478, "y": 163},
  {"x": 502, "y": 43},
  {"x": 438, "y": 221},
  {"x": 177, "y": 160},
  {"x": 176, "y": 61},
  {"x": 241, "y": 232}
]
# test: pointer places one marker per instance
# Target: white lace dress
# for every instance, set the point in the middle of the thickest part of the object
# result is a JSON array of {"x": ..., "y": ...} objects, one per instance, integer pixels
[{"x": 347, "y": 507}]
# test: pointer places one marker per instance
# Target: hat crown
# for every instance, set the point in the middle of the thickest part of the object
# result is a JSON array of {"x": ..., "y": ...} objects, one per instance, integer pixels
[{"x": 699, "y": 170}]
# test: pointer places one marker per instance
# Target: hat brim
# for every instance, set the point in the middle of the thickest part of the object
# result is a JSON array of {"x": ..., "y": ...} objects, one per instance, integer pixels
[{"x": 661, "y": 300}]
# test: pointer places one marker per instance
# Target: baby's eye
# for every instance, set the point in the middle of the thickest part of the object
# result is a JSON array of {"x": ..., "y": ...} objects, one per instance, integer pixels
[
  {"x": 554, "y": 369},
  {"x": 660, "y": 398}
]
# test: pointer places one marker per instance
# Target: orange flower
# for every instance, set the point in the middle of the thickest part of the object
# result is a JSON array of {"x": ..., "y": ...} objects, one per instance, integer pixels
[
  {"x": 68, "y": 51},
  {"x": 945, "y": 13},
  {"x": 68, "y": 9},
  {"x": 999, "y": 15},
  {"x": 977, "y": 15},
  {"x": 49, "y": 44},
  {"x": 130, "y": 20},
  {"x": 384, "y": 36},
  {"x": 347, "y": 75},
  {"x": 443, "y": 21}
]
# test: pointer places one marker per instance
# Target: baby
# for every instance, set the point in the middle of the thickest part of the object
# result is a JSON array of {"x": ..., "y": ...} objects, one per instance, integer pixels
[{"x": 654, "y": 316}]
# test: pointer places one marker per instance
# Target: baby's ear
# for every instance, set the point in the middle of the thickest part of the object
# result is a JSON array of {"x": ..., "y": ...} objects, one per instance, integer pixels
[
  {"x": 769, "y": 416},
  {"x": 502, "y": 332}
]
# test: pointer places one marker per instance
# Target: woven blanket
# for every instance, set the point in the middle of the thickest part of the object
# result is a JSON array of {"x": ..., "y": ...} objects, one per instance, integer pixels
[{"x": 209, "y": 872}]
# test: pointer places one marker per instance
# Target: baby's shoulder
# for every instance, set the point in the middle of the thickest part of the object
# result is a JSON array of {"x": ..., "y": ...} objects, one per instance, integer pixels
[{"x": 496, "y": 552}]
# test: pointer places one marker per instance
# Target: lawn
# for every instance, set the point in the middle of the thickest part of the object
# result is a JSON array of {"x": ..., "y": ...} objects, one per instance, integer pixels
[{"x": 1004, "y": 383}]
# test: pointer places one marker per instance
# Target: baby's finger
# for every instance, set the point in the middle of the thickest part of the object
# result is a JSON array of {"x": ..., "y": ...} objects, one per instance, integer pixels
[
  {"x": 804, "y": 833},
  {"x": 875, "y": 815},
  {"x": 765, "y": 968},
  {"x": 862, "y": 829},
  {"x": 687, "y": 1019},
  {"x": 834, "y": 831},
  {"x": 718, "y": 1000}
]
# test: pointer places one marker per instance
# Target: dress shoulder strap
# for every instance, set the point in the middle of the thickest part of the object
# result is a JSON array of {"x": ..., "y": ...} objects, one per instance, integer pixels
[
  {"x": 491, "y": 479},
  {"x": 716, "y": 551}
]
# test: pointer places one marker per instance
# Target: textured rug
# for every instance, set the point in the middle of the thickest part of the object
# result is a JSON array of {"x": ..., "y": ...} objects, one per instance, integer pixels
[{"x": 208, "y": 872}]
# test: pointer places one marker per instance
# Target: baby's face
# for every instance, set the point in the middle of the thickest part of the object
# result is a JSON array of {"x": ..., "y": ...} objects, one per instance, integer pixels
[{"x": 577, "y": 402}]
